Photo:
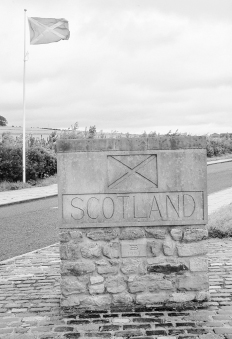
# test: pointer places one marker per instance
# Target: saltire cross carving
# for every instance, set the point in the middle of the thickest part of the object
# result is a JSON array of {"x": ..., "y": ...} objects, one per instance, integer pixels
[{"x": 131, "y": 171}]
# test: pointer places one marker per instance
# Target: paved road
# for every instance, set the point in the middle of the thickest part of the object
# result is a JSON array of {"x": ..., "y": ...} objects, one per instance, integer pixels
[
  {"x": 28, "y": 226},
  {"x": 219, "y": 177}
]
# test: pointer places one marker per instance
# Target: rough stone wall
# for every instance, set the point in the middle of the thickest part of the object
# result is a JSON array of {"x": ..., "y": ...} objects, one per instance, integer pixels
[{"x": 95, "y": 275}]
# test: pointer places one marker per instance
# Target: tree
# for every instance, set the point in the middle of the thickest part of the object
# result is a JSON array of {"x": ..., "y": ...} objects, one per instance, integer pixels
[
  {"x": 92, "y": 132},
  {"x": 3, "y": 121},
  {"x": 7, "y": 139}
]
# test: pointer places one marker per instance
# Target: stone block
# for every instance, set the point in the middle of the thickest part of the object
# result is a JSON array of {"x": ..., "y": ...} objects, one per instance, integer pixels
[
  {"x": 131, "y": 144},
  {"x": 111, "y": 250},
  {"x": 177, "y": 234},
  {"x": 131, "y": 266},
  {"x": 176, "y": 142},
  {"x": 65, "y": 267},
  {"x": 169, "y": 247},
  {"x": 166, "y": 265},
  {"x": 78, "y": 268},
  {"x": 64, "y": 236},
  {"x": 189, "y": 282},
  {"x": 151, "y": 298},
  {"x": 199, "y": 264},
  {"x": 149, "y": 282},
  {"x": 155, "y": 232},
  {"x": 107, "y": 269},
  {"x": 76, "y": 236},
  {"x": 163, "y": 284},
  {"x": 97, "y": 289},
  {"x": 193, "y": 249},
  {"x": 115, "y": 284},
  {"x": 105, "y": 234},
  {"x": 155, "y": 247},
  {"x": 182, "y": 297},
  {"x": 96, "y": 279},
  {"x": 100, "y": 301},
  {"x": 70, "y": 251},
  {"x": 91, "y": 251},
  {"x": 132, "y": 233},
  {"x": 71, "y": 285},
  {"x": 114, "y": 262},
  {"x": 102, "y": 262},
  {"x": 133, "y": 248},
  {"x": 195, "y": 234},
  {"x": 123, "y": 298},
  {"x": 64, "y": 252},
  {"x": 203, "y": 296},
  {"x": 71, "y": 300}
]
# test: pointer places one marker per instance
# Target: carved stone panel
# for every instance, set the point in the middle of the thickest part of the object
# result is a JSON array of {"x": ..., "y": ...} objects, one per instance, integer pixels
[
  {"x": 133, "y": 248},
  {"x": 133, "y": 188},
  {"x": 126, "y": 209}
]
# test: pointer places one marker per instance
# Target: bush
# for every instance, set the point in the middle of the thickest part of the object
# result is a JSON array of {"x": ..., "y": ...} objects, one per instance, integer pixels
[
  {"x": 218, "y": 146},
  {"x": 39, "y": 163},
  {"x": 220, "y": 223}
]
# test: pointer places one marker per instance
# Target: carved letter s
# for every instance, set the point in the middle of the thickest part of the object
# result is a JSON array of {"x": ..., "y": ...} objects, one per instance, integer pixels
[{"x": 82, "y": 211}]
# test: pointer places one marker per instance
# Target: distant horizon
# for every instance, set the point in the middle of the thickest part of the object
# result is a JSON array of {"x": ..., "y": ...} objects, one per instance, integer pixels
[
  {"x": 110, "y": 132},
  {"x": 124, "y": 131}
]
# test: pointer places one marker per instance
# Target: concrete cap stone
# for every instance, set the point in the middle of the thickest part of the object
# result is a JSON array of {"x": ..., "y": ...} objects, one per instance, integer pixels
[{"x": 131, "y": 144}]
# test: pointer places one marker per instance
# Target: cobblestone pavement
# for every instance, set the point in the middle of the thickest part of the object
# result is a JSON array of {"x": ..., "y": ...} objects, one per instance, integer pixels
[{"x": 30, "y": 292}]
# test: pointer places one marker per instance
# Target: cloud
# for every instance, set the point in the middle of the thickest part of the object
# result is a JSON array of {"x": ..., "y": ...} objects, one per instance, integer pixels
[{"x": 129, "y": 65}]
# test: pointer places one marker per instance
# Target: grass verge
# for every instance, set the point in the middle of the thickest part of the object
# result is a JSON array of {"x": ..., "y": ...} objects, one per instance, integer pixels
[
  {"x": 220, "y": 223},
  {"x": 9, "y": 186}
]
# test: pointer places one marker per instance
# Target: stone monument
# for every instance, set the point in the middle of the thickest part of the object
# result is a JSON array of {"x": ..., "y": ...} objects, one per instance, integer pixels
[{"x": 132, "y": 221}]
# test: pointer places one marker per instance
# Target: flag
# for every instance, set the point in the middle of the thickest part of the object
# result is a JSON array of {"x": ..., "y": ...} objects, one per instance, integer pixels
[{"x": 46, "y": 30}]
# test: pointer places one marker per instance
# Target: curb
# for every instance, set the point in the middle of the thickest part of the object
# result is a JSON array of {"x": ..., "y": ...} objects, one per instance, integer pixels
[
  {"x": 28, "y": 200},
  {"x": 5, "y": 261},
  {"x": 218, "y": 162}
]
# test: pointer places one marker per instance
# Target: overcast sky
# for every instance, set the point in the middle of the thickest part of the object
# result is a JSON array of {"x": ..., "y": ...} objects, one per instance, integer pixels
[{"x": 129, "y": 65}]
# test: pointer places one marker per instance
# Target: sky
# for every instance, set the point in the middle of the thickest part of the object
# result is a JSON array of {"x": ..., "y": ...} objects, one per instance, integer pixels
[{"x": 129, "y": 66}]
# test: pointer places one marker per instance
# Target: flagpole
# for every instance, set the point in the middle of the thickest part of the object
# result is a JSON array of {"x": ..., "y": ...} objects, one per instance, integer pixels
[{"x": 24, "y": 103}]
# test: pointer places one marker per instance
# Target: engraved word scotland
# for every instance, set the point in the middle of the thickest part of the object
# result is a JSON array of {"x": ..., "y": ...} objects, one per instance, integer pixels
[{"x": 107, "y": 189}]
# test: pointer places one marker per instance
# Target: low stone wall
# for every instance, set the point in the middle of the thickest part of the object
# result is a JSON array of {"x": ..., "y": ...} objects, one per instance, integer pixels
[{"x": 95, "y": 275}]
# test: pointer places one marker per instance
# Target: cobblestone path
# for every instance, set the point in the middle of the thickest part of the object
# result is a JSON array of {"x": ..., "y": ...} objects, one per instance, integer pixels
[{"x": 29, "y": 304}]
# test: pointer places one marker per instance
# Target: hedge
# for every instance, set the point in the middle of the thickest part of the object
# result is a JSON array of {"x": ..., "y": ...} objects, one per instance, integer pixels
[
  {"x": 218, "y": 146},
  {"x": 39, "y": 163}
]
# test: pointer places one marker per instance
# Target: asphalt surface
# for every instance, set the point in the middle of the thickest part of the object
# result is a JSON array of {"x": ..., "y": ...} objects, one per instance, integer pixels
[
  {"x": 219, "y": 177},
  {"x": 29, "y": 226}
]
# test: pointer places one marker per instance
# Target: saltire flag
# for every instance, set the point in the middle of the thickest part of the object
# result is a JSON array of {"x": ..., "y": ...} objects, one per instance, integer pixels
[{"x": 46, "y": 30}]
